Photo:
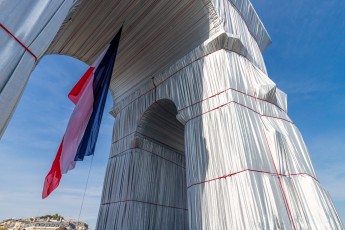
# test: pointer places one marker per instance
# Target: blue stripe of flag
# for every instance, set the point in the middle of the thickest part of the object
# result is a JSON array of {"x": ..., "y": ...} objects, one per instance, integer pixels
[{"x": 101, "y": 84}]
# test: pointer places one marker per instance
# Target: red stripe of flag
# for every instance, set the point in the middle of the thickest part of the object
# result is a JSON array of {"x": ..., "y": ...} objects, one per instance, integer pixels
[{"x": 89, "y": 96}]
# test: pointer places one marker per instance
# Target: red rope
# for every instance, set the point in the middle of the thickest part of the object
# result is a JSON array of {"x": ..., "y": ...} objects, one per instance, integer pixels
[
  {"x": 22, "y": 44},
  {"x": 280, "y": 183},
  {"x": 144, "y": 202},
  {"x": 193, "y": 61},
  {"x": 275, "y": 167},
  {"x": 123, "y": 137},
  {"x": 223, "y": 91},
  {"x": 242, "y": 106},
  {"x": 154, "y": 154},
  {"x": 250, "y": 170}
]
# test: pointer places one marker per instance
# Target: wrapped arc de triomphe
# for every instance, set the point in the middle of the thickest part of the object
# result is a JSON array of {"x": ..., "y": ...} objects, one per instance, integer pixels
[{"x": 202, "y": 139}]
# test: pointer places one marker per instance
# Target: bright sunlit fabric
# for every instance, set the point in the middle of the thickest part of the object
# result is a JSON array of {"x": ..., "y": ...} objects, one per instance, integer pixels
[
  {"x": 244, "y": 164},
  {"x": 28, "y": 28},
  {"x": 202, "y": 138}
]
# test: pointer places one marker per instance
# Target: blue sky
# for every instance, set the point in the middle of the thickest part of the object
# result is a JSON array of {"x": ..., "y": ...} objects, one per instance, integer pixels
[
  {"x": 306, "y": 60},
  {"x": 29, "y": 145}
]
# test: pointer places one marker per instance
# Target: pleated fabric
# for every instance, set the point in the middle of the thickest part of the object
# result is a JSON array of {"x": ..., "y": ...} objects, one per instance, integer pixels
[
  {"x": 27, "y": 29},
  {"x": 243, "y": 164}
]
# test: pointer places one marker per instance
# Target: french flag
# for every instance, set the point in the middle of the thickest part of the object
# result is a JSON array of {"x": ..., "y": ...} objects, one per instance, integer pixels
[{"x": 89, "y": 96}]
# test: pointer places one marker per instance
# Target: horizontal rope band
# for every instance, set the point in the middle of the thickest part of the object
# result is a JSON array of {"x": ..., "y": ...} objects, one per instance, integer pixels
[
  {"x": 193, "y": 61},
  {"x": 251, "y": 170},
  {"x": 218, "y": 107},
  {"x": 225, "y": 90},
  {"x": 154, "y": 154},
  {"x": 123, "y": 137},
  {"x": 144, "y": 202}
]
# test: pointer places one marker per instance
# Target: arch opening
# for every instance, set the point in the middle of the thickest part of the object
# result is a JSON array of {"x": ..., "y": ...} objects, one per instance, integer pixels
[
  {"x": 166, "y": 170},
  {"x": 159, "y": 124}
]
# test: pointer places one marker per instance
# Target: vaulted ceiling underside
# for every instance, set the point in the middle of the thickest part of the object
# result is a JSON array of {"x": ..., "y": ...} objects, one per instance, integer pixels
[{"x": 156, "y": 33}]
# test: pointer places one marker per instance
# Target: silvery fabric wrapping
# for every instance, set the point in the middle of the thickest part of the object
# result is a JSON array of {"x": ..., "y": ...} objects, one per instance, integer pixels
[
  {"x": 243, "y": 163},
  {"x": 35, "y": 24},
  {"x": 204, "y": 144}
]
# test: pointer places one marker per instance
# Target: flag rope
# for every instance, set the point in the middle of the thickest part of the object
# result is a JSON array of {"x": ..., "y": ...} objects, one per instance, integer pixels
[{"x": 87, "y": 182}]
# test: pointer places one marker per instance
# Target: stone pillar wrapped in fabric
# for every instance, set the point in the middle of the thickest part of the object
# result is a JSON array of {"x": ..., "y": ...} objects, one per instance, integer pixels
[
  {"x": 214, "y": 126},
  {"x": 202, "y": 138},
  {"x": 26, "y": 30}
]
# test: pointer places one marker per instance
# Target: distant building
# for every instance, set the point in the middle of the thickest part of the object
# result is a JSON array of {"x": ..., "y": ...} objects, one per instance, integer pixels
[{"x": 42, "y": 224}]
